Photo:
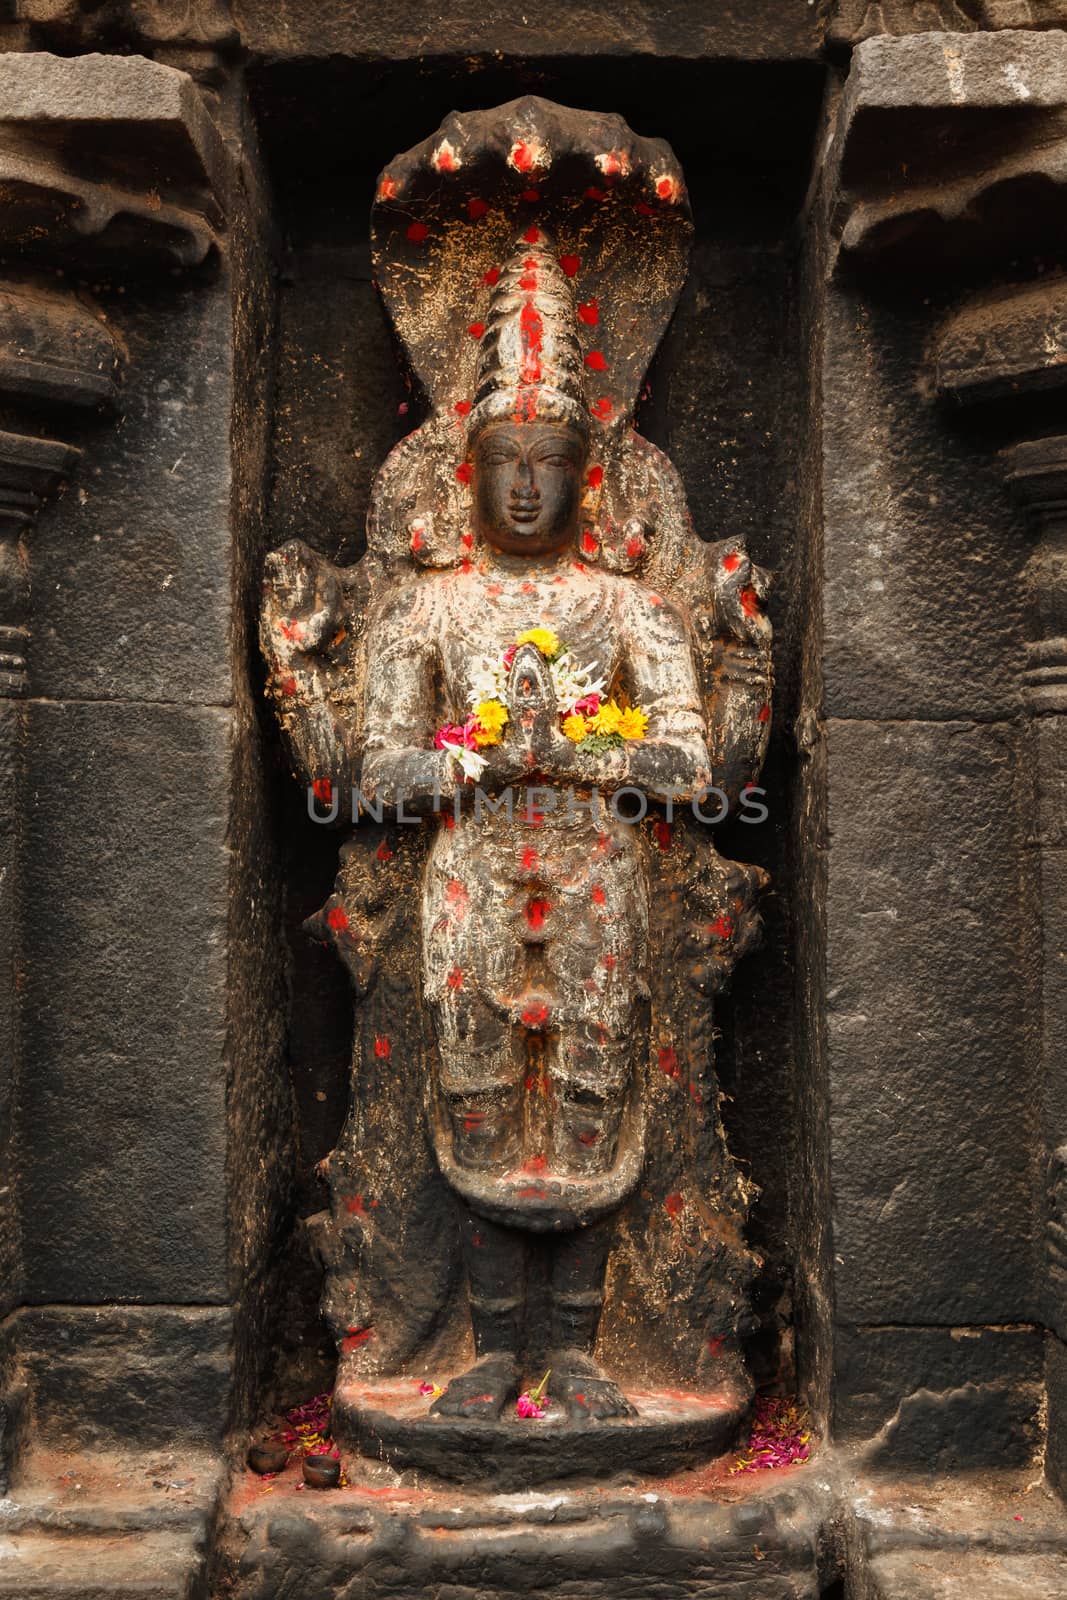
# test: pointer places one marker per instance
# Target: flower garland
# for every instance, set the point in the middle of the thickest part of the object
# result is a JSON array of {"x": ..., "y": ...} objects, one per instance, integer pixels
[{"x": 590, "y": 721}]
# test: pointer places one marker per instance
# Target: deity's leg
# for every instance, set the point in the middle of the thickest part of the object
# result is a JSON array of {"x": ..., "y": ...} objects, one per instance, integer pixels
[
  {"x": 496, "y": 1270},
  {"x": 479, "y": 1079},
  {"x": 579, "y": 1263}
]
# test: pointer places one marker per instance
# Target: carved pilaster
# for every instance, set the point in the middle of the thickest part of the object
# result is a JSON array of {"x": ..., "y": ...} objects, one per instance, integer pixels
[
  {"x": 1036, "y": 472},
  {"x": 110, "y": 165},
  {"x": 29, "y": 470},
  {"x": 1003, "y": 346}
]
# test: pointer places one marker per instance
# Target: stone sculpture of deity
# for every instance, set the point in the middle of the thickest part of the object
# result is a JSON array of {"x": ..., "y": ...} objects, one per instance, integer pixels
[{"x": 526, "y": 703}]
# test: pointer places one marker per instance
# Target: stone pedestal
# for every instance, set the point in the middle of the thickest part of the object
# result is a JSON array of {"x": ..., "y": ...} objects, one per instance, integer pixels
[{"x": 391, "y": 1422}]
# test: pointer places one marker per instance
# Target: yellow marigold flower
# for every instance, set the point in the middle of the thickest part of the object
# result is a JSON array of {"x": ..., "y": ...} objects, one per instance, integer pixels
[
  {"x": 491, "y": 717},
  {"x": 545, "y": 640},
  {"x": 633, "y": 723},
  {"x": 607, "y": 719},
  {"x": 575, "y": 727}
]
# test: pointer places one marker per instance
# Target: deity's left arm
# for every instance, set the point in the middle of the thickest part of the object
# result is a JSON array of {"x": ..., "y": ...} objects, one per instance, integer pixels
[
  {"x": 662, "y": 677},
  {"x": 735, "y": 638}
]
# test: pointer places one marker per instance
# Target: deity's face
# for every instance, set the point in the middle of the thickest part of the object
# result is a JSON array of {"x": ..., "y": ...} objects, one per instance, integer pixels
[{"x": 527, "y": 486}]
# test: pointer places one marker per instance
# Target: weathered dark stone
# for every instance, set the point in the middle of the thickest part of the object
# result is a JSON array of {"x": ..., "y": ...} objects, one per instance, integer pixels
[
  {"x": 939, "y": 71},
  {"x": 132, "y": 589},
  {"x": 940, "y": 1399},
  {"x": 1013, "y": 342},
  {"x": 759, "y": 30},
  {"x": 10, "y": 1244},
  {"x": 127, "y": 1376},
  {"x": 854, "y": 20},
  {"x": 931, "y": 1109},
  {"x": 961, "y": 1429},
  {"x": 943, "y": 145},
  {"x": 1056, "y": 1448},
  {"x": 55, "y": 350},
  {"x": 137, "y": 1530},
  {"x": 924, "y": 600},
  {"x": 123, "y": 1021},
  {"x": 157, "y": 1566},
  {"x": 108, "y": 157},
  {"x": 390, "y": 1422},
  {"x": 117, "y": 108},
  {"x": 951, "y": 1575}
]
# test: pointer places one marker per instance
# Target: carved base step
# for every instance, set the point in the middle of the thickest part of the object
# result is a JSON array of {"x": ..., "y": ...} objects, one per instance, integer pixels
[{"x": 391, "y": 1421}]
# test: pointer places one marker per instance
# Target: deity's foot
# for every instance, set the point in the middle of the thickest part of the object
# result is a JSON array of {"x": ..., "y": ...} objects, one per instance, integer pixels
[
  {"x": 484, "y": 1391},
  {"x": 585, "y": 1389}
]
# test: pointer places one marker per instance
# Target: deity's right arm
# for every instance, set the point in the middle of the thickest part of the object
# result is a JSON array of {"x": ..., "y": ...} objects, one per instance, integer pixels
[
  {"x": 310, "y": 628},
  {"x": 401, "y": 765}
]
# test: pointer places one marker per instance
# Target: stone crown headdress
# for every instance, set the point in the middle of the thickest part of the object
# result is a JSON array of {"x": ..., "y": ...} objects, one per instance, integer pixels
[{"x": 530, "y": 362}]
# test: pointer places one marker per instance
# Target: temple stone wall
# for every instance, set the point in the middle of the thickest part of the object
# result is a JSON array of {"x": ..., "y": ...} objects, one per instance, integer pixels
[{"x": 863, "y": 379}]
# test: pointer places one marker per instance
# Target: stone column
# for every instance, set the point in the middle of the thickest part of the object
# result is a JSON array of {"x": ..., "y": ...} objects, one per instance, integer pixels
[
  {"x": 934, "y": 1066},
  {"x": 150, "y": 1096},
  {"x": 29, "y": 469},
  {"x": 1036, "y": 471}
]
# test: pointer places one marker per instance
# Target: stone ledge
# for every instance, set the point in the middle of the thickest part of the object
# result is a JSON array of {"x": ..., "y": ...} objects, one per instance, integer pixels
[
  {"x": 112, "y": 156},
  {"x": 943, "y": 144},
  {"x": 108, "y": 1527}
]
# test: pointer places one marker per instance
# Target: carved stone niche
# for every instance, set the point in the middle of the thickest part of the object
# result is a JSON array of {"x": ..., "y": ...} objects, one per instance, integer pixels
[{"x": 533, "y": 1178}]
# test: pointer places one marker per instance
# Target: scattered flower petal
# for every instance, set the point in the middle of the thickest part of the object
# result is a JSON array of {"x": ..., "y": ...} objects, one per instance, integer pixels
[{"x": 780, "y": 1437}]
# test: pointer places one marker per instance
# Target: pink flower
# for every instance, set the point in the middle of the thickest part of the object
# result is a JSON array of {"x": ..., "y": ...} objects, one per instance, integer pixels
[
  {"x": 457, "y": 733},
  {"x": 588, "y": 706},
  {"x": 529, "y": 1408},
  {"x": 509, "y": 656}
]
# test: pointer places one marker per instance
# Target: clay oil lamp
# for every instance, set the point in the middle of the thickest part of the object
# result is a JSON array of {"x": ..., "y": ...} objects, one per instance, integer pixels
[
  {"x": 269, "y": 1457},
  {"x": 322, "y": 1472}
]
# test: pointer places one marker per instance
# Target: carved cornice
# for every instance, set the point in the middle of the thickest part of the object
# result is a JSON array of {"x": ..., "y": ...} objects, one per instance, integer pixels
[
  {"x": 54, "y": 351},
  {"x": 852, "y": 21},
  {"x": 951, "y": 148},
  {"x": 1012, "y": 341},
  {"x": 107, "y": 159},
  {"x": 195, "y": 35}
]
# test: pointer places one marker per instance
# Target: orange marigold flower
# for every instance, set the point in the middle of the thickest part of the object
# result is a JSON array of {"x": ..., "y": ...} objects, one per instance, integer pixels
[
  {"x": 490, "y": 719},
  {"x": 633, "y": 723},
  {"x": 606, "y": 719}
]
